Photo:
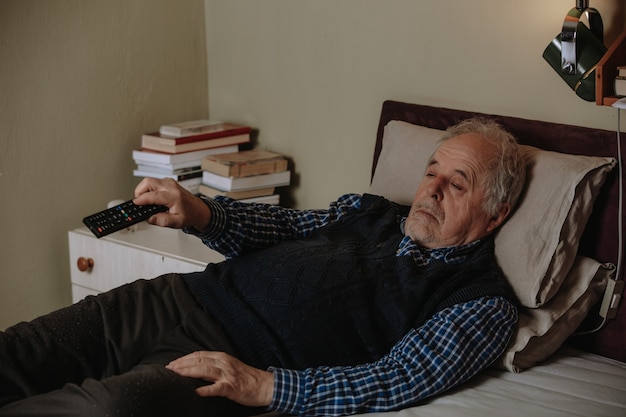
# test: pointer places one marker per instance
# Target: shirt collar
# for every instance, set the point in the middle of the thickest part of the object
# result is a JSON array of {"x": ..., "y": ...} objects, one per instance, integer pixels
[{"x": 451, "y": 255}]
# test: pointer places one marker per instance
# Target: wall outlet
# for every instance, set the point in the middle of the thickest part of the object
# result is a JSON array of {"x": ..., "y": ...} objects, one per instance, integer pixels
[
  {"x": 620, "y": 104},
  {"x": 612, "y": 298}
]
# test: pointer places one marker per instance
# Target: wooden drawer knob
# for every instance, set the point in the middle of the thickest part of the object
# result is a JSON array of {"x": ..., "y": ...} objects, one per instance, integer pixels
[{"x": 84, "y": 264}]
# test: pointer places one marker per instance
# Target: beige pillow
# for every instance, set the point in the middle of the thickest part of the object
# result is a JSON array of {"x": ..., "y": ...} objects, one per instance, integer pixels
[
  {"x": 540, "y": 240},
  {"x": 541, "y": 331},
  {"x": 403, "y": 159},
  {"x": 537, "y": 245}
]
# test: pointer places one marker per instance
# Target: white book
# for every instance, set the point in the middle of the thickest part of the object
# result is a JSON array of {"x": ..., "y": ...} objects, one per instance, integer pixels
[
  {"x": 192, "y": 127},
  {"x": 268, "y": 199},
  {"x": 179, "y": 160},
  {"x": 197, "y": 176},
  {"x": 164, "y": 169},
  {"x": 190, "y": 184},
  {"x": 167, "y": 167},
  {"x": 276, "y": 179}
]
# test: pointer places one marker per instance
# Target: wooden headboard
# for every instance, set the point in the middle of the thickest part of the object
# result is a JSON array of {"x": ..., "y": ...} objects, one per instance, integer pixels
[{"x": 600, "y": 238}]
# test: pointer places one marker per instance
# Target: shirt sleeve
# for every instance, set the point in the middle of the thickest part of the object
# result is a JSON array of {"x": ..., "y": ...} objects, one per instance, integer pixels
[
  {"x": 237, "y": 228},
  {"x": 451, "y": 347}
]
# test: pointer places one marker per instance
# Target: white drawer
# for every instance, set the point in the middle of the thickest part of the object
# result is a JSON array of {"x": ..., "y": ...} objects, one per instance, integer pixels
[
  {"x": 127, "y": 257},
  {"x": 78, "y": 292}
]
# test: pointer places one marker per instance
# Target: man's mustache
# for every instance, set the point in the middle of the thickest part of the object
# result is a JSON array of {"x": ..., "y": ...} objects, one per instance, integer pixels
[{"x": 430, "y": 208}]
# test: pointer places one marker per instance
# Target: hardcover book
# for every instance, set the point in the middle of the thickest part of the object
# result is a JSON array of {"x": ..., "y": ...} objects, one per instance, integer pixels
[
  {"x": 244, "y": 163},
  {"x": 202, "y": 128},
  {"x": 620, "y": 86},
  {"x": 268, "y": 199},
  {"x": 179, "y": 160},
  {"x": 277, "y": 179},
  {"x": 177, "y": 177},
  {"x": 167, "y": 169},
  {"x": 170, "y": 145},
  {"x": 211, "y": 192}
]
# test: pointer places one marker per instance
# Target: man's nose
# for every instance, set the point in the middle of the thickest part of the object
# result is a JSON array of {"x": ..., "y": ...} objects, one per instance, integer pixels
[{"x": 435, "y": 189}]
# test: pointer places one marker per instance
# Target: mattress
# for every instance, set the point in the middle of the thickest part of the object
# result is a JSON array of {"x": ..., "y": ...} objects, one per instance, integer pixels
[{"x": 570, "y": 383}]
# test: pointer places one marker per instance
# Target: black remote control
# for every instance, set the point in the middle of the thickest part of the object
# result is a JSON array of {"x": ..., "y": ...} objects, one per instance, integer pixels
[{"x": 120, "y": 217}]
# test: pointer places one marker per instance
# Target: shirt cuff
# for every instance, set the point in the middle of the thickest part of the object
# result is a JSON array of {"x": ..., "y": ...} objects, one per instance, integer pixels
[
  {"x": 217, "y": 223},
  {"x": 288, "y": 390}
]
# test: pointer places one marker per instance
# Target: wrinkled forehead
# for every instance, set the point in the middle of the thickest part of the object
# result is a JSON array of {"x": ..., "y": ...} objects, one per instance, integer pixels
[{"x": 468, "y": 155}]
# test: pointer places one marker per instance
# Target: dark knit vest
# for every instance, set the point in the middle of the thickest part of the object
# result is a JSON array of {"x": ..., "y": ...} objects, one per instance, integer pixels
[{"x": 338, "y": 297}]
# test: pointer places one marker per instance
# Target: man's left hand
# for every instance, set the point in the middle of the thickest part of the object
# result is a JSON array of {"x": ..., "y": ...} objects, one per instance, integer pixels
[{"x": 230, "y": 377}]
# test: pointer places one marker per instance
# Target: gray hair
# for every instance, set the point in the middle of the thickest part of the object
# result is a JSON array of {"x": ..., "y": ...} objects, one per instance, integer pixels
[{"x": 507, "y": 169}]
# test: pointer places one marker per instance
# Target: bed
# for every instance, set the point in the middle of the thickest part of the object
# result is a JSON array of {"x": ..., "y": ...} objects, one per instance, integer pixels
[{"x": 559, "y": 250}]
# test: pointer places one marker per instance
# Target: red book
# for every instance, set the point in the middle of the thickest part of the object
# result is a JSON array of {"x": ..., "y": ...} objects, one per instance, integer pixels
[
  {"x": 224, "y": 130},
  {"x": 169, "y": 145}
]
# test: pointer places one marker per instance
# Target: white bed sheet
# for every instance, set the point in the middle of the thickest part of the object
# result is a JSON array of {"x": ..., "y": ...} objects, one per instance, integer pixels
[{"x": 571, "y": 383}]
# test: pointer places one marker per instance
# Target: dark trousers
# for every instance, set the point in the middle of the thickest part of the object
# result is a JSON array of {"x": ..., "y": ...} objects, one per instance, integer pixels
[{"x": 105, "y": 356}]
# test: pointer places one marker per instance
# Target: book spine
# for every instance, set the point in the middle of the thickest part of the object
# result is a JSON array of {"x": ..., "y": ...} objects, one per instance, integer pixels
[
  {"x": 268, "y": 199},
  {"x": 202, "y": 136},
  {"x": 171, "y": 159},
  {"x": 240, "y": 170},
  {"x": 620, "y": 86},
  {"x": 269, "y": 167},
  {"x": 177, "y": 177},
  {"x": 190, "y": 128},
  {"x": 217, "y": 168},
  {"x": 236, "y": 195},
  {"x": 277, "y": 179},
  {"x": 168, "y": 169},
  {"x": 195, "y": 146},
  {"x": 208, "y": 130}
]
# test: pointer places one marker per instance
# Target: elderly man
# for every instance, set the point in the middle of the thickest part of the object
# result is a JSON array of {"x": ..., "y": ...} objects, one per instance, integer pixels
[{"x": 365, "y": 306}]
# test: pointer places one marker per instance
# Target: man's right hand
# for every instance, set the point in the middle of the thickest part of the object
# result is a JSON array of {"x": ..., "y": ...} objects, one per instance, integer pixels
[
  {"x": 185, "y": 209},
  {"x": 228, "y": 377}
]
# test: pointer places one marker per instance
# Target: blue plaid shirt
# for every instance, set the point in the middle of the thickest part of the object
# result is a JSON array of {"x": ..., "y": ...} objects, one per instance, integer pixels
[{"x": 451, "y": 347}]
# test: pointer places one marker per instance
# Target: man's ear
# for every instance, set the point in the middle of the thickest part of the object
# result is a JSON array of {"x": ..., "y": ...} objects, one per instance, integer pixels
[{"x": 499, "y": 218}]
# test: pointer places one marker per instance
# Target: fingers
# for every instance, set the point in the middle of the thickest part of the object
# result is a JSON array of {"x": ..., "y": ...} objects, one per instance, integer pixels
[
  {"x": 229, "y": 377},
  {"x": 185, "y": 209},
  {"x": 195, "y": 365},
  {"x": 144, "y": 186},
  {"x": 205, "y": 366},
  {"x": 210, "y": 366},
  {"x": 156, "y": 191}
]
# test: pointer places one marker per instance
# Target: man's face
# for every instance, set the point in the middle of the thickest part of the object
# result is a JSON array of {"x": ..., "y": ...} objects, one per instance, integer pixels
[{"x": 447, "y": 209}]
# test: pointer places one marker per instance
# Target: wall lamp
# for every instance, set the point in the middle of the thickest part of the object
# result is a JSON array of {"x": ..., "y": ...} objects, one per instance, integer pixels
[{"x": 575, "y": 52}]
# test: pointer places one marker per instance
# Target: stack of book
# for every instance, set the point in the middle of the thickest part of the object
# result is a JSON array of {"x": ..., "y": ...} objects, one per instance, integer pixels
[
  {"x": 620, "y": 81},
  {"x": 250, "y": 176},
  {"x": 176, "y": 151}
]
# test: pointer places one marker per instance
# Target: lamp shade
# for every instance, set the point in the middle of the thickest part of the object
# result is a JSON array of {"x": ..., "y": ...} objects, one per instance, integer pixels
[{"x": 589, "y": 51}]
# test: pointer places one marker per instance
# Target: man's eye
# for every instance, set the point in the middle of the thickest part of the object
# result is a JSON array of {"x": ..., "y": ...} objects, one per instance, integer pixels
[{"x": 457, "y": 186}]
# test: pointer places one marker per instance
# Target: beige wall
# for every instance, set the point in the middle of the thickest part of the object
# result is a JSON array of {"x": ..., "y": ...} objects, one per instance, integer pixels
[
  {"x": 312, "y": 75},
  {"x": 79, "y": 82}
]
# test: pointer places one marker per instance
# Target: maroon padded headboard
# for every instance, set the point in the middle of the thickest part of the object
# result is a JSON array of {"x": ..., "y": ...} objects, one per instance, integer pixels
[{"x": 600, "y": 238}]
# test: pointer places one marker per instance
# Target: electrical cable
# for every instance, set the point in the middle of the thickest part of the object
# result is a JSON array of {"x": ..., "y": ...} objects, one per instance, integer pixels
[{"x": 620, "y": 229}]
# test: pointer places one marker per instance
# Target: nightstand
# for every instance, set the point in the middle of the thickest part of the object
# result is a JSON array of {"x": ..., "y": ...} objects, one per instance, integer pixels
[{"x": 98, "y": 265}]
